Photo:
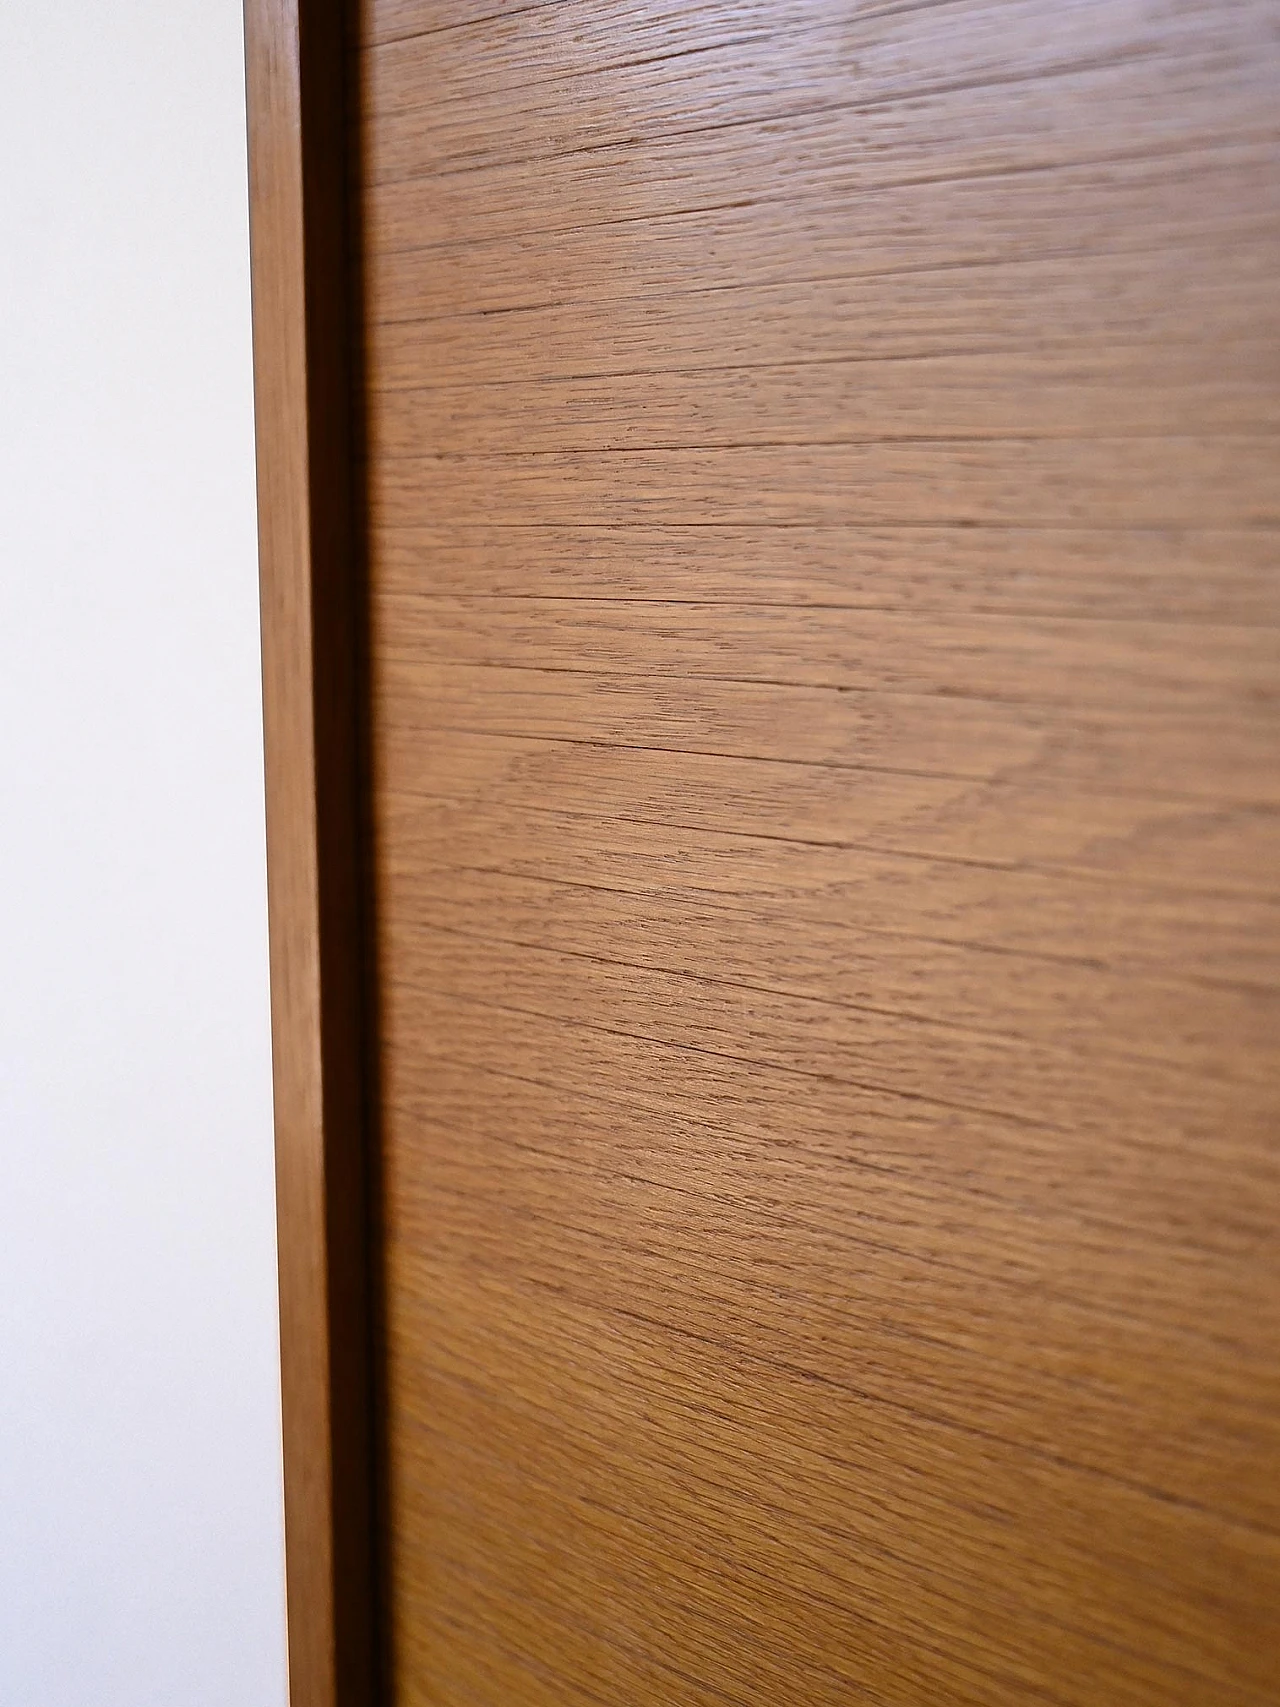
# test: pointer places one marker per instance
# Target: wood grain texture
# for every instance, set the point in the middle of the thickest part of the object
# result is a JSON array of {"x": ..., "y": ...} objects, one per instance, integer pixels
[
  {"x": 822, "y": 494},
  {"x": 310, "y": 598}
]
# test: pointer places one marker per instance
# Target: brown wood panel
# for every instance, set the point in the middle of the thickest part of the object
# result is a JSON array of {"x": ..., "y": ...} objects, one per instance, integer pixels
[
  {"x": 296, "y": 66},
  {"x": 822, "y": 473}
]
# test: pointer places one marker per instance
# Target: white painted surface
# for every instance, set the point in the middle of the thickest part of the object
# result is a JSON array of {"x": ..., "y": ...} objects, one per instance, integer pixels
[{"x": 140, "y": 1553}]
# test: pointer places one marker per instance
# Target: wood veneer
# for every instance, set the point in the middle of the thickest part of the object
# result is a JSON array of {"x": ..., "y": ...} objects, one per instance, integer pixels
[{"x": 819, "y": 489}]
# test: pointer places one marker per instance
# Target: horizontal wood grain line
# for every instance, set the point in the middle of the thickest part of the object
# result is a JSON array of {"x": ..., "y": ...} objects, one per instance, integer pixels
[
  {"x": 1217, "y": 1033},
  {"x": 560, "y": 1190},
  {"x": 482, "y": 598},
  {"x": 430, "y": 251},
  {"x": 1056, "y": 360},
  {"x": 1197, "y": 437},
  {"x": 1006, "y": 826},
  {"x": 991, "y": 1231},
  {"x": 1047, "y": 364},
  {"x": 1083, "y": 574},
  {"x": 382, "y": 22},
  {"x": 944, "y": 132},
  {"x": 768, "y": 1291},
  {"x": 1178, "y": 671},
  {"x": 659, "y": 62},
  {"x": 1224, "y": 481},
  {"x": 623, "y": 1188},
  {"x": 756, "y": 944},
  {"x": 429, "y": 257},
  {"x": 957, "y": 399},
  {"x": 1248, "y": 783},
  {"x": 587, "y": 42},
  {"x": 1065, "y": 917},
  {"x": 1227, "y": 885},
  {"x": 1105, "y": 534},
  {"x": 879, "y": 1160},
  {"x": 945, "y": 739},
  {"x": 1002, "y": 1232},
  {"x": 447, "y": 837},
  {"x": 768, "y": 307},
  {"x": 945, "y": 1065},
  {"x": 1010, "y": 117},
  {"x": 606, "y": 957},
  {"x": 1102, "y": 300},
  {"x": 409, "y": 726},
  {"x": 380, "y": 18},
  {"x": 440, "y": 101}
]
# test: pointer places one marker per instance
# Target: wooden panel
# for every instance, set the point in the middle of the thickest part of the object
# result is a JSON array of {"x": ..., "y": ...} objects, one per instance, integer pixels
[
  {"x": 296, "y": 64},
  {"x": 823, "y": 492}
]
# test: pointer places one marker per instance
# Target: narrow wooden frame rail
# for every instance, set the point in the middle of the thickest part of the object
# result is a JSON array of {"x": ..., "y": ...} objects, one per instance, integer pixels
[{"x": 311, "y": 613}]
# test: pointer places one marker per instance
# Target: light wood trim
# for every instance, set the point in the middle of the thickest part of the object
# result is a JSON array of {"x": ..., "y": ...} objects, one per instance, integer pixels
[{"x": 310, "y": 620}]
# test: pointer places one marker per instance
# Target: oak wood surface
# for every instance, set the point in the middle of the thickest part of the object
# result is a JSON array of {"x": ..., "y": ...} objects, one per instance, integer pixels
[{"x": 823, "y": 484}]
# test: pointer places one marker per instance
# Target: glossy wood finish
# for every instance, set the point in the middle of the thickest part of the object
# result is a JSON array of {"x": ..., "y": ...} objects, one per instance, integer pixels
[
  {"x": 823, "y": 484},
  {"x": 311, "y": 603}
]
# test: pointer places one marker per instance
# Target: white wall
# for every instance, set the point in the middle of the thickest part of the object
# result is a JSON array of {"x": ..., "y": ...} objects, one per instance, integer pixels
[{"x": 140, "y": 1555}]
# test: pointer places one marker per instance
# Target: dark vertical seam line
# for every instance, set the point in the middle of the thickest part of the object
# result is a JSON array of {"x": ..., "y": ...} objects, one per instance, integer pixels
[
  {"x": 378, "y": 1491},
  {"x": 336, "y": 602}
]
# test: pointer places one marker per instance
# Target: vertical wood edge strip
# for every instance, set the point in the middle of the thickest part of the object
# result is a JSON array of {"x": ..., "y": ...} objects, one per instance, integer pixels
[{"x": 309, "y": 596}]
